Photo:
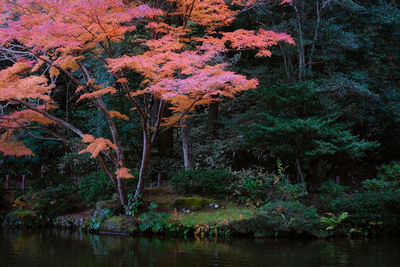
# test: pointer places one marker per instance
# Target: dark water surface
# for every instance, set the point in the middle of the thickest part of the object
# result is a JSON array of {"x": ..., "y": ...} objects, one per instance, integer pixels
[{"x": 52, "y": 247}]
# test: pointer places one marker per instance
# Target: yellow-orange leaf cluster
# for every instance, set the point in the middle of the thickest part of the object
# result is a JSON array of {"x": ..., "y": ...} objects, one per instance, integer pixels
[
  {"x": 14, "y": 86},
  {"x": 96, "y": 145},
  {"x": 23, "y": 118},
  {"x": 119, "y": 115},
  {"x": 11, "y": 147},
  {"x": 123, "y": 173}
]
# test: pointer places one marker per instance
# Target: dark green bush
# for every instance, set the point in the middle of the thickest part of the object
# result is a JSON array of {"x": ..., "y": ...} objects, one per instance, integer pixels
[
  {"x": 371, "y": 212},
  {"x": 332, "y": 189},
  {"x": 204, "y": 182},
  {"x": 389, "y": 171},
  {"x": 284, "y": 218},
  {"x": 259, "y": 187},
  {"x": 23, "y": 218},
  {"x": 52, "y": 178},
  {"x": 251, "y": 186},
  {"x": 379, "y": 185},
  {"x": 52, "y": 201},
  {"x": 97, "y": 186}
]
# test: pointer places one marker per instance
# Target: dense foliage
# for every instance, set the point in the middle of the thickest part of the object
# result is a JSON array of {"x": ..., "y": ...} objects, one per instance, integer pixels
[{"x": 320, "y": 130}]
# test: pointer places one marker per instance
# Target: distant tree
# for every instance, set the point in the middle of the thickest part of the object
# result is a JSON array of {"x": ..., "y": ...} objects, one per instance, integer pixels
[{"x": 293, "y": 127}]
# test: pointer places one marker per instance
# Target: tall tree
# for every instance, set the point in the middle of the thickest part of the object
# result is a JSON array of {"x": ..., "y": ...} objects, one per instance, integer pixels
[{"x": 178, "y": 66}]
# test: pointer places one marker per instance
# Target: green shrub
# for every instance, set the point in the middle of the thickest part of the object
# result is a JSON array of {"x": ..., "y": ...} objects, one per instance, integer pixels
[
  {"x": 379, "y": 185},
  {"x": 97, "y": 186},
  {"x": 52, "y": 201},
  {"x": 389, "y": 171},
  {"x": 258, "y": 187},
  {"x": 251, "y": 186},
  {"x": 286, "y": 191},
  {"x": 332, "y": 190},
  {"x": 133, "y": 204},
  {"x": 371, "y": 212},
  {"x": 98, "y": 218},
  {"x": 23, "y": 218},
  {"x": 154, "y": 221},
  {"x": 52, "y": 178},
  {"x": 204, "y": 182},
  {"x": 283, "y": 218}
]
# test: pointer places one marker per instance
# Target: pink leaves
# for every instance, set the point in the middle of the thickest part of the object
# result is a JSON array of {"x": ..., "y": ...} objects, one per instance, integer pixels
[
  {"x": 261, "y": 40},
  {"x": 70, "y": 25}
]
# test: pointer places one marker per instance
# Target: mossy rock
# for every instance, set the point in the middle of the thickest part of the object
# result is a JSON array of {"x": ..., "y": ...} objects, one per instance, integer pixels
[
  {"x": 22, "y": 218},
  {"x": 118, "y": 224},
  {"x": 192, "y": 203},
  {"x": 113, "y": 205}
]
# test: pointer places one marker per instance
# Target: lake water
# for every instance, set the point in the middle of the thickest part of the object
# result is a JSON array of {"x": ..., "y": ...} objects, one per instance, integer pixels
[{"x": 52, "y": 247}]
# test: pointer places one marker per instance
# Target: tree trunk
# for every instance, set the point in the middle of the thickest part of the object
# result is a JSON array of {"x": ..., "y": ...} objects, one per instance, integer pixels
[
  {"x": 213, "y": 118},
  {"x": 187, "y": 144},
  {"x": 119, "y": 184},
  {"x": 298, "y": 7},
  {"x": 23, "y": 183},
  {"x": 143, "y": 166},
  {"x": 123, "y": 193},
  {"x": 300, "y": 172}
]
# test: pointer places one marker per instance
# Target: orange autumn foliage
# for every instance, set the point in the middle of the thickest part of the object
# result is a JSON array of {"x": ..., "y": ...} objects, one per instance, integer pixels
[
  {"x": 96, "y": 145},
  {"x": 181, "y": 66}
]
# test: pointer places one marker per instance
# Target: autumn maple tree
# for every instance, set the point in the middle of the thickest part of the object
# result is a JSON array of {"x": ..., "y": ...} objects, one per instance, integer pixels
[{"x": 181, "y": 67}]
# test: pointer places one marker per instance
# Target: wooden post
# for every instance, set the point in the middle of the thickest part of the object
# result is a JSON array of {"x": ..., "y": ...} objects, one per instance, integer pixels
[
  {"x": 159, "y": 180},
  {"x": 7, "y": 177},
  {"x": 23, "y": 182},
  {"x": 338, "y": 179}
]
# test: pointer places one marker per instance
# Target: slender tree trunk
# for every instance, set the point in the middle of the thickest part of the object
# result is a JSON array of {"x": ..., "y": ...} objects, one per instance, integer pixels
[
  {"x": 123, "y": 193},
  {"x": 187, "y": 144},
  {"x": 143, "y": 167},
  {"x": 300, "y": 172},
  {"x": 7, "y": 177},
  {"x": 298, "y": 7},
  {"x": 23, "y": 183}
]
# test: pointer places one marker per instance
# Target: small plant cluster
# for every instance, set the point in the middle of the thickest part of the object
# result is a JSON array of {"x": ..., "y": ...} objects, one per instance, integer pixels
[
  {"x": 133, "y": 205},
  {"x": 151, "y": 220},
  {"x": 98, "y": 218}
]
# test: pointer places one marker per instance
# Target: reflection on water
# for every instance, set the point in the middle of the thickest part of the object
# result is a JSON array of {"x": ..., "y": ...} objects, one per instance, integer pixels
[{"x": 52, "y": 247}]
